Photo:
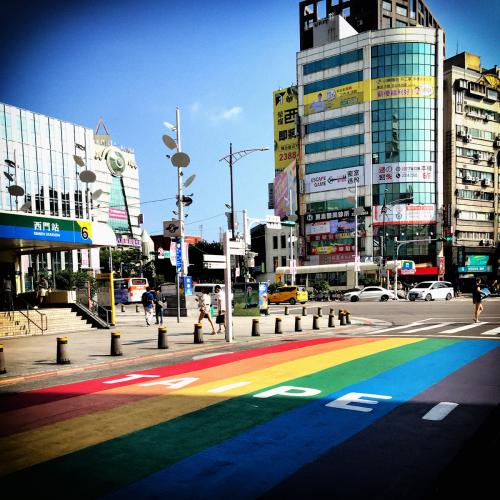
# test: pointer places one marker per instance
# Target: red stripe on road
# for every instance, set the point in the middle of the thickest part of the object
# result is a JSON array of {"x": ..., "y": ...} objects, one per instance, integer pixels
[{"x": 56, "y": 393}]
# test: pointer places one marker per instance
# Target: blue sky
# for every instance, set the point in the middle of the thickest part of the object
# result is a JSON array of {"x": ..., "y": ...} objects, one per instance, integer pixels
[{"x": 133, "y": 62}]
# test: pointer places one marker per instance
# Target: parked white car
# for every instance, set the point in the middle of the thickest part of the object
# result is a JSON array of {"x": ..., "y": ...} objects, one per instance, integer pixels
[
  {"x": 431, "y": 290},
  {"x": 370, "y": 293}
]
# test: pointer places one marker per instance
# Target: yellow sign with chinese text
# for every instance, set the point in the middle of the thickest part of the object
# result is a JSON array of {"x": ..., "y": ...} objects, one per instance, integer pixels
[
  {"x": 286, "y": 141},
  {"x": 389, "y": 87}
]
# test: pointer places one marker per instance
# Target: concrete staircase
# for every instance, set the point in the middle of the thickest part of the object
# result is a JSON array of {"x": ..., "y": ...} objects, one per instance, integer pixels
[{"x": 60, "y": 321}]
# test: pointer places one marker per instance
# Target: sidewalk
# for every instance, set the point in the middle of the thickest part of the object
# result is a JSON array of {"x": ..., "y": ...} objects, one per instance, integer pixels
[{"x": 30, "y": 357}]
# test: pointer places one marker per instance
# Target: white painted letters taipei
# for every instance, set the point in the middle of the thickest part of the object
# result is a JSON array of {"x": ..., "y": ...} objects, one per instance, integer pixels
[
  {"x": 288, "y": 390},
  {"x": 175, "y": 383},
  {"x": 344, "y": 402}
]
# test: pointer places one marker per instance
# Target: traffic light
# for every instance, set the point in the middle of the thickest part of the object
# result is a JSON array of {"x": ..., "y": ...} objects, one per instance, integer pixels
[{"x": 448, "y": 237}]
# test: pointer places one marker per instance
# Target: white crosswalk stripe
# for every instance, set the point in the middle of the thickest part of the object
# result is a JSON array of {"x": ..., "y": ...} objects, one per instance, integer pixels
[
  {"x": 462, "y": 328},
  {"x": 392, "y": 329},
  {"x": 424, "y": 328},
  {"x": 494, "y": 331}
]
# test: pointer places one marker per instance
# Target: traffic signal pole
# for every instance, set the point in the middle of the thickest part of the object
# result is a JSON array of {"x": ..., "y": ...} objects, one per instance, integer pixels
[{"x": 406, "y": 242}]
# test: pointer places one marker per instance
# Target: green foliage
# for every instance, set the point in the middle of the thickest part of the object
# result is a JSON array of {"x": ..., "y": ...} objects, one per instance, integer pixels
[
  {"x": 69, "y": 280},
  {"x": 272, "y": 287},
  {"x": 322, "y": 286}
]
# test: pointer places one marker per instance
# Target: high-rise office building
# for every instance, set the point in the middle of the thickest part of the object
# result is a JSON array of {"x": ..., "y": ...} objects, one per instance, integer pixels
[
  {"x": 472, "y": 159},
  {"x": 370, "y": 106},
  {"x": 363, "y": 15}
]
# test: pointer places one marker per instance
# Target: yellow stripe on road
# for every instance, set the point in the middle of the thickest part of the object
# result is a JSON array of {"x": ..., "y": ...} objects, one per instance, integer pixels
[{"x": 39, "y": 445}]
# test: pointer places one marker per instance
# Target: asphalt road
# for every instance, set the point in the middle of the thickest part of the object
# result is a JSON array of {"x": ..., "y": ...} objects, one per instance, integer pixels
[
  {"x": 384, "y": 417},
  {"x": 402, "y": 312}
]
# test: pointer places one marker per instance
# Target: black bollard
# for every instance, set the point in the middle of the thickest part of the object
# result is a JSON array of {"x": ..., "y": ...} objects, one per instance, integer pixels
[
  {"x": 331, "y": 321},
  {"x": 116, "y": 346},
  {"x": 342, "y": 317},
  {"x": 347, "y": 317},
  {"x": 332, "y": 311},
  {"x": 162, "y": 338},
  {"x": 298, "y": 326},
  {"x": 255, "y": 328},
  {"x": 286, "y": 310},
  {"x": 304, "y": 311},
  {"x": 198, "y": 334},
  {"x": 315, "y": 322},
  {"x": 320, "y": 312},
  {"x": 136, "y": 308},
  {"x": 2, "y": 360},
  {"x": 123, "y": 308},
  {"x": 62, "y": 351},
  {"x": 277, "y": 326}
]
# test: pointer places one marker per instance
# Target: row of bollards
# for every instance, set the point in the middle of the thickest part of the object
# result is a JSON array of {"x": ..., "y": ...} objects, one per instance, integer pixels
[
  {"x": 344, "y": 318},
  {"x": 116, "y": 348}
]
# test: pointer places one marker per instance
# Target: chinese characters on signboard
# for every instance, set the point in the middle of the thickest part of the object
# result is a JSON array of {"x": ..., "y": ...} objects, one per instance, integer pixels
[{"x": 286, "y": 141}]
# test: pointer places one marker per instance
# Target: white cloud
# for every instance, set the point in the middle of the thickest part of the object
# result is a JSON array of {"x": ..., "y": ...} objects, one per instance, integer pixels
[
  {"x": 195, "y": 107},
  {"x": 227, "y": 114}
]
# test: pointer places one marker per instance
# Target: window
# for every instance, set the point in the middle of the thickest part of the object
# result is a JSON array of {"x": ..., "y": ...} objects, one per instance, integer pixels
[
  {"x": 275, "y": 263},
  {"x": 283, "y": 261},
  {"x": 283, "y": 242},
  {"x": 331, "y": 144},
  {"x": 387, "y": 6},
  {"x": 275, "y": 242},
  {"x": 400, "y": 24},
  {"x": 401, "y": 10},
  {"x": 341, "y": 121},
  {"x": 386, "y": 22},
  {"x": 332, "y": 62},
  {"x": 336, "y": 81},
  {"x": 346, "y": 12},
  {"x": 344, "y": 162}
]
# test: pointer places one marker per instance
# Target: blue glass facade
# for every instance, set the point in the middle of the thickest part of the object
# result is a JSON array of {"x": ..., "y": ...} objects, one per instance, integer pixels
[{"x": 332, "y": 62}]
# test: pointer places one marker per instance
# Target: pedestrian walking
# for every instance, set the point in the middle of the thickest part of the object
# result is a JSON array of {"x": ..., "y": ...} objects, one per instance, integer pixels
[
  {"x": 221, "y": 309},
  {"x": 477, "y": 300},
  {"x": 43, "y": 288},
  {"x": 204, "y": 307},
  {"x": 159, "y": 306},
  {"x": 147, "y": 300}
]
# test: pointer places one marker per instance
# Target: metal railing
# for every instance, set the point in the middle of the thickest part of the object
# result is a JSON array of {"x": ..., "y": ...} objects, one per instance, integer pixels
[
  {"x": 42, "y": 325},
  {"x": 100, "y": 311}
]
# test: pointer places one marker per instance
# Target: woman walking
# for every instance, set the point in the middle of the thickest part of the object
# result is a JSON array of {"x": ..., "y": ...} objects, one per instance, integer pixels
[
  {"x": 204, "y": 307},
  {"x": 477, "y": 300}
]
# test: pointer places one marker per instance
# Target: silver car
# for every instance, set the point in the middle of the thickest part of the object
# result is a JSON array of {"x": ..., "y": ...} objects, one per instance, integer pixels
[{"x": 370, "y": 293}]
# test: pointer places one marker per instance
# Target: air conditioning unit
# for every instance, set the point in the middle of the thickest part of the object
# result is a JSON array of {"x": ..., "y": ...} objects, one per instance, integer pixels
[
  {"x": 460, "y": 133},
  {"x": 467, "y": 138},
  {"x": 492, "y": 242},
  {"x": 475, "y": 179},
  {"x": 496, "y": 143},
  {"x": 475, "y": 156},
  {"x": 486, "y": 182},
  {"x": 491, "y": 159},
  {"x": 468, "y": 177}
]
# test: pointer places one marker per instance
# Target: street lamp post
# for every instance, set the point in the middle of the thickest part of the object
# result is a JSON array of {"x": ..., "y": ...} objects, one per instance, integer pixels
[
  {"x": 179, "y": 160},
  {"x": 232, "y": 158}
]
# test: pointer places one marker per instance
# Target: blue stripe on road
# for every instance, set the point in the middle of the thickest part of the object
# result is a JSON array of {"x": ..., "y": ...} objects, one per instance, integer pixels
[{"x": 255, "y": 461}]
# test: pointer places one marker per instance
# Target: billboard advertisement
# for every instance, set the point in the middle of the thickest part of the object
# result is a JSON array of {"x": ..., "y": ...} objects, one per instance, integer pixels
[
  {"x": 286, "y": 141},
  {"x": 389, "y": 87},
  {"x": 404, "y": 214},
  {"x": 285, "y": 183},
  {"x": 334, "y": 179},
  {"x": 403, "y": 172}
]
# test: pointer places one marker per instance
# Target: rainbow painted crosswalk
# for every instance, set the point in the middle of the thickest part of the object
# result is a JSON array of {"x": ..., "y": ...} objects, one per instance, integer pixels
[{"x": 239, "y": 425}]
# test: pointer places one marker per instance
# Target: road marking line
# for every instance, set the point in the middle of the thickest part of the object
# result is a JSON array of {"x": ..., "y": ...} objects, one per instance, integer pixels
[
  {"x": 491, "y": 332},
  {"x": 398, "y": 327},
  {"x": 462, "y": 328},
  {"x": 438, "y": 325},
  {"x": 440, "y": 411}
]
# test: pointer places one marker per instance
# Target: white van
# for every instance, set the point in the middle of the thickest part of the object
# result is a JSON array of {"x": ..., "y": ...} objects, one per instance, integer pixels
[{"x": 210, "y": 287}]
